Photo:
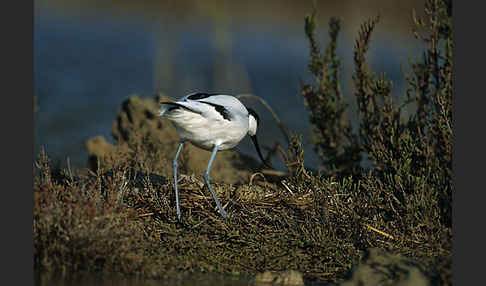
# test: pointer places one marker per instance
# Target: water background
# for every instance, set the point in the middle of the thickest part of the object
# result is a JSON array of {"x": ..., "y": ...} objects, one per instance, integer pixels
[{"x": 89, "y": 57}]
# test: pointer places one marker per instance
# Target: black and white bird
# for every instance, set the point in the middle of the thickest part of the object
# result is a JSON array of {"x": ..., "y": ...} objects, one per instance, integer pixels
[{"x": 213, "y": 122}]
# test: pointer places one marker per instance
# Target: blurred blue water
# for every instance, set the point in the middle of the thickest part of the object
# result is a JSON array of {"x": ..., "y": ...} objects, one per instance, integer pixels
[
  {"x": 85, "y": 68},
  {"x": 83, "y": 71}
]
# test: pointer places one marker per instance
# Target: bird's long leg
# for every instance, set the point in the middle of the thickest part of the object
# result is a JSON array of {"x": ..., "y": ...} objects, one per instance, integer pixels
[
  {"x": 206, "y": 178},
  {"x": 174, "y": 166}
]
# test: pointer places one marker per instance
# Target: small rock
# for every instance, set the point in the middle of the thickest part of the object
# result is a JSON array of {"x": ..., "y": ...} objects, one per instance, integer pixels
[
  {"x": 289, "y": 277},
  {"x": 98, "y": 146},
  {"x": 381, "y": 268},
  {"x": 265, "y": 277}
]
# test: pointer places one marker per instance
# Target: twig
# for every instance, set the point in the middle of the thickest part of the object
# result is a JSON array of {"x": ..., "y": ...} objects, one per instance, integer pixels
[
  {"x": 337, "y": 195},
  {"x": 224, "y": 207},
  {"x": 288, "y": 189},
  {"x": 199, "y": 223},
  {"x": 254, "y": 175},
  {"x": 276, "y": 173},
  {"x": 146, "y": 214},
  {"x": 69, "y": 169},
  {"x": 388, "y": 235},
  {"x": 379, "y": 231}
]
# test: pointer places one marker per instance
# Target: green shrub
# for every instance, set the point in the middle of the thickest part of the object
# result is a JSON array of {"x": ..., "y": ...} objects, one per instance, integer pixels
[
  {"x": 415, "y": 150},
  {"x": 407, "y": 190}
]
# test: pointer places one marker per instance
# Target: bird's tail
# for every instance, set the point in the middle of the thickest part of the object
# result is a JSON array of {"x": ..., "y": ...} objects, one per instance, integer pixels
[{"x": 169, "y": 106}]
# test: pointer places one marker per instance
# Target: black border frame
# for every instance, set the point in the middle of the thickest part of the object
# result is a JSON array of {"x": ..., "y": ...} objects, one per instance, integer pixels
[{"x": 18, "y": 140}]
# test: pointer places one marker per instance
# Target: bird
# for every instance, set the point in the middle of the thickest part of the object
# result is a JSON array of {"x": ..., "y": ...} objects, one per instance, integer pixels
[{"x": 213, "y": 122}]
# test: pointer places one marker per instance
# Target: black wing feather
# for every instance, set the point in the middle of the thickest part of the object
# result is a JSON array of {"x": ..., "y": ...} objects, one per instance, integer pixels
[
  {"x": 220, "y": 109},
  {"x": 200, "y": 95}
]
